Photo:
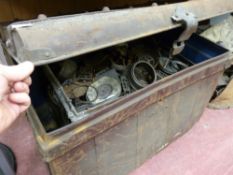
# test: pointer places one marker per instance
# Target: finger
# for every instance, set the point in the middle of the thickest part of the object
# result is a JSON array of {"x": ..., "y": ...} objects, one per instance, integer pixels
[
  {"x": 18, "y": 72},
  {"x": 21, "y": 87},
  {"x": 3, "y": 87},
  {"x": 20, "y": 98},
  {"x": 24, "y": 106},
  {"x": 28, "y": 81}
]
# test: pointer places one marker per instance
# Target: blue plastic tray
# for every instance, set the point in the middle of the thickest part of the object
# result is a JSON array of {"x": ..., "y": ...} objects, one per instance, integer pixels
[{"x": 198, "y": 49}]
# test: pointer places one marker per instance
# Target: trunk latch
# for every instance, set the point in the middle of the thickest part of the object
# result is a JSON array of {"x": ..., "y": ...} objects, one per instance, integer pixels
[{"x": 189, "y": 22}]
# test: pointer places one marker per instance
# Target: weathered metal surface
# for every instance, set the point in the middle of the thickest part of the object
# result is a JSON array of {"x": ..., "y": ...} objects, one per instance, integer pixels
[
  {"x": 152, "y": 128},
  {"x": 199, "y": 106},
  {"x": 43, "y": 41},
  {"x": 182, "y": 121},
  {"x": 59, "y": 142},
  {"x": 114, "y": 149},
  {"x": 80, "y": 161},
  {"x": 181, "y": 111},
  {"x": 127, "y": 145}
]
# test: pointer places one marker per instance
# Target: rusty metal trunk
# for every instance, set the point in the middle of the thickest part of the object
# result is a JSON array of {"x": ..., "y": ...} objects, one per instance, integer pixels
[{"x": 121, "y": 135}]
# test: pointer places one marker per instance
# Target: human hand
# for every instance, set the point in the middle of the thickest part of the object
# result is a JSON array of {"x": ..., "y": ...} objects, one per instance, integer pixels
[{"x": 14, "y": 92}]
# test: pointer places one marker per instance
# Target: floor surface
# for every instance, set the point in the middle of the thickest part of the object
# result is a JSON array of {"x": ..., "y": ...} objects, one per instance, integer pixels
[{"x": 20, "y": 139}]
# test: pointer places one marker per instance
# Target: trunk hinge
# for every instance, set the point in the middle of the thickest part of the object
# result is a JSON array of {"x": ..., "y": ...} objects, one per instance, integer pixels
[{"x": 189, "y": 22}]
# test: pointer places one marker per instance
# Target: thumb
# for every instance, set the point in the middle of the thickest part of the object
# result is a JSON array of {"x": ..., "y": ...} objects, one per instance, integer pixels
[{"x": 18, "y": 72}]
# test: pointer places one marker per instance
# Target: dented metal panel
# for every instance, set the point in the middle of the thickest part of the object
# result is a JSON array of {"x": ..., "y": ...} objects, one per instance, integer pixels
[{"x": 43, "y": 41}]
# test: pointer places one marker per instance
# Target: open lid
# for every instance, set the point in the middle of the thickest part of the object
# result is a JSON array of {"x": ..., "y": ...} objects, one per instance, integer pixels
[{"x": 46, "y": 40}]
